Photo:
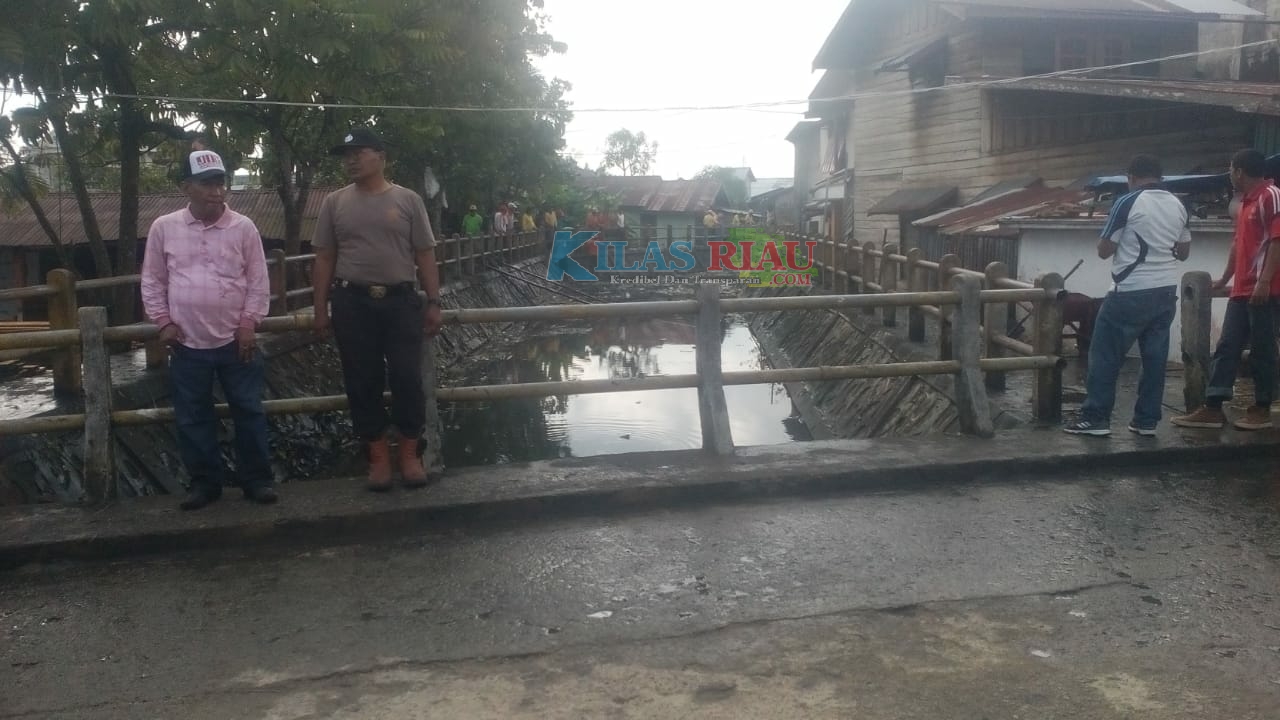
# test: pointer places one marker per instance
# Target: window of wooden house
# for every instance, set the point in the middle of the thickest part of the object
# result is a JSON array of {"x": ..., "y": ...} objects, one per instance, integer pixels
[{"x": 1073, "y": 52}]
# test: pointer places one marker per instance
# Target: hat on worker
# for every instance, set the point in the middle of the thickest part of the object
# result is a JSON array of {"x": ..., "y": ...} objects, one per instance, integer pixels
[
  {"x": 360, "y": 137},
  {"x": 473, "y": 207},
  {"x": 203, "y": 164}
]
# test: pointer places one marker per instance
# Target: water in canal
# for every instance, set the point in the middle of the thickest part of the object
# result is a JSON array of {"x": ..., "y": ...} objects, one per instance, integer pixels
[{"x": 622, "y": 422}]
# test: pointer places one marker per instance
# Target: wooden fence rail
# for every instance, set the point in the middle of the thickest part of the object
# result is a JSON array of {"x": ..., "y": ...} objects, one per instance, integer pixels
[
  {"x": 843, "y": 265},
  {"x": 62, "y": 290},
  {"x": 965, "y": 297}
]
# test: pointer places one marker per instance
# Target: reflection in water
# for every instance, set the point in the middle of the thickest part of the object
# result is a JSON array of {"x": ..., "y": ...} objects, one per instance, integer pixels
[{"x": 609, "y": 423}]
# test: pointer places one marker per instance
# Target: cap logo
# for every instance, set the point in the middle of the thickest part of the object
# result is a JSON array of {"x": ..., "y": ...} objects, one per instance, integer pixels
[
  {"x": 204, "y": 161},
  {"x": 349, "y": 138}
]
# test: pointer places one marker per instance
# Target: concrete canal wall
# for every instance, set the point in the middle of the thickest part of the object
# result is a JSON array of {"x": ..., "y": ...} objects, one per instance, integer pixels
[{"x": 901, "y": 406}]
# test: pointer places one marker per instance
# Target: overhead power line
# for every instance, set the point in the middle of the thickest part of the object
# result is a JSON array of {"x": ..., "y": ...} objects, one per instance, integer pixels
[{"x": 994, "y": 82}]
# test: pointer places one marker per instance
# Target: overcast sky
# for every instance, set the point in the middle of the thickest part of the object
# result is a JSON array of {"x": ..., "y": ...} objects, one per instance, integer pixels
[{"x": 663, "y": 53}]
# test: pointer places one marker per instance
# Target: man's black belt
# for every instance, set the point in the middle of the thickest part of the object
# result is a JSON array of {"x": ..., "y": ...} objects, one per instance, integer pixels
[{"x": 375, "y": 291}]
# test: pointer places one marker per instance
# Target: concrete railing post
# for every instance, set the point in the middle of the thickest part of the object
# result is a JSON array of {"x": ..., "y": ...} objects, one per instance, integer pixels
[
  {"x": 99, "y": 453},
  {"x": 1197, "y": 323},
  {"x": 966, "y": 343},
  {"x": 63, "y": 309},
  {"x": 946, "y": 267},
  {"x": 712, "y": 407},
  {"x": 433, "y": 448},
  {"x": 1046, "y": 393},
  {"x": 278, "y": 276},
  {"x": 889, "y": 281},
  {"x": 995, "y": 323},
  {"x": 915, "y": 313},
  {"x": 472, "y": 242}
]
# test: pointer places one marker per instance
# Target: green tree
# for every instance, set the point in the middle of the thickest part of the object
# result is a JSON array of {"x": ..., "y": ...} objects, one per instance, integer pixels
[
  {"x": 735, "y": 188},
  {"x": 628, "y": 152},
  {"x": 86, "y": 64}
]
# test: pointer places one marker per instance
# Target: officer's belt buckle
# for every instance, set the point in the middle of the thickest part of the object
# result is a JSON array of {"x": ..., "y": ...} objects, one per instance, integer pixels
[{"x": 377, "y": 292}]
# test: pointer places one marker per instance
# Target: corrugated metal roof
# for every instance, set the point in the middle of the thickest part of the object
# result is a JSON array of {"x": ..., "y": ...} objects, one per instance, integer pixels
[
  {"x": 686, "y": 196},
  {"x": 915, "y": 200},
  {"x": 867, "y": 16},
  {"x": 21, "y": 229},
  {"x": 964, "y": 220},
  {"x": 1172, "y": 8},
  {"x": 653, "y": 194},
  {"x": 632, "y": 191},
  {"x": 1261, "y": 98}
]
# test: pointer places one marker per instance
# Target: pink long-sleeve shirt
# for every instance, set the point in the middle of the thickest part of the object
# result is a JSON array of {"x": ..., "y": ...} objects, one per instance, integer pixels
[{"x": 208, "y": 280}]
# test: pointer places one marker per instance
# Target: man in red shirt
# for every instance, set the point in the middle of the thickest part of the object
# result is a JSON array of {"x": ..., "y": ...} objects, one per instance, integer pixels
[{"x": 1252, "y": 310}]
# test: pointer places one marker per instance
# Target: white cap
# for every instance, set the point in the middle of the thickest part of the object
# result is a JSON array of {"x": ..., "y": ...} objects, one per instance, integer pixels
[{"x": 203, "y": 164}]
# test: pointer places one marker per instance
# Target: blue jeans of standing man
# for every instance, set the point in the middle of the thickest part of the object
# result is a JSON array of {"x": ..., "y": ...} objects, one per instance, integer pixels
[
  {"x": 1141, "y": 316},
  {"x": 191, "y": 373},
  {"x": 1252, "y": 326}
]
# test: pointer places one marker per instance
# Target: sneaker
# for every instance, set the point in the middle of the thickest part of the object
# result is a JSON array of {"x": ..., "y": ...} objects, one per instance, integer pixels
[
  {"x": 1205, "y": 417},
  {"x": 1143, "y": 431},
  {"x": 1087, "y": 427},
  {"x": 1255, "y": 418}
]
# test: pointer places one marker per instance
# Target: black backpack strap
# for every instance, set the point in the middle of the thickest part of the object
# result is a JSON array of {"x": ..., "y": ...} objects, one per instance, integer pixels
[
  {"x": 1142, "y": 257},
  {"x": 1143, "y": 248}
]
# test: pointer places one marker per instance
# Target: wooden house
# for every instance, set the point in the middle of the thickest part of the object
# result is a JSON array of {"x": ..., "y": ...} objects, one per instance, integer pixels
[{"x": 927, "y": 104}]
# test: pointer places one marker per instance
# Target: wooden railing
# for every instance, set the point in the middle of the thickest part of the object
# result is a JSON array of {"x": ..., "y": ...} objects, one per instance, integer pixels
[
  {"x": 847, "y": 267},
  {"x": 456, "y": 258},
  {"x": 961, "y": 304}
]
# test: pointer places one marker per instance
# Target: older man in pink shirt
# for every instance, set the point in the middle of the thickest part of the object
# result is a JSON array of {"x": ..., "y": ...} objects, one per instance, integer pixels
[{"x": 204, "y": 283}]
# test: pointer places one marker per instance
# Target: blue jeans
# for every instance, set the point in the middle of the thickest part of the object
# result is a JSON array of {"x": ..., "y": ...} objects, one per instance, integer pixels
[
  {"x": 1143, "y": 316},
  {"x": 1245, "y": 325},
  {"x": 191, "y": 373}
]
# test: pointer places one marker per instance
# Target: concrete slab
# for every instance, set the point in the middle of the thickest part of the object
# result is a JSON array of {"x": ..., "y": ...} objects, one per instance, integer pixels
[{"x": 341, "y": 511}]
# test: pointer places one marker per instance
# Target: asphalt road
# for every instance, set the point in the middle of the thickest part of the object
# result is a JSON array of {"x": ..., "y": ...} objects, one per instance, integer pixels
[{"x": 1123, "y": 596}]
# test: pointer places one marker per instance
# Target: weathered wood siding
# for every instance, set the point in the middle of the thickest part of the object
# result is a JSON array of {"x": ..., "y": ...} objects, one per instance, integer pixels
[{"x": 944, "y": 137}]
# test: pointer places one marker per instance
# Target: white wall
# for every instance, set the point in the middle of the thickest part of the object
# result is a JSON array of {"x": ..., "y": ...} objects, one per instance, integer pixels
[{"x": 1057, "y": 245}]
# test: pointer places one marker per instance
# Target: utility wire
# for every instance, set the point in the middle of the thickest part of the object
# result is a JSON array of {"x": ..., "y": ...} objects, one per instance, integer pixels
[{"x": 994, "y": 82}]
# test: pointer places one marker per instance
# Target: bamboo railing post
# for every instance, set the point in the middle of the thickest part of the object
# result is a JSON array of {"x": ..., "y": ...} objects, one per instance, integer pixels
[
  {"x": 99, "y": 453},
  {"x": 713, "y": 409},
  {"x": 915, "y": 314},
  {"x": 835, "y": 269},
  {"x": 63, "y": 309},
  {"x": 889, "y": 281},
  {"x": 855, "y": 269},
  {"x": 869, "y": 274},
  {"x": 946, "y": 266},
  {"x": 966, "y": 341},
  {"x": 278, "y": 275},
  {"x": 995, "y": 323},
  {"x": 847, "y": 281},
  {"x": 1197, "y": 323},
  {"x": 472, "y": 242},
  {"x": 456, "y": 242},
  {"x": 1046, "y": 393}
]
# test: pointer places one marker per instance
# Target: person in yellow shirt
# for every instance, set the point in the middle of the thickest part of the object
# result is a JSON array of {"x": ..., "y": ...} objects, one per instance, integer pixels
[{"x": 526, "y": 222}]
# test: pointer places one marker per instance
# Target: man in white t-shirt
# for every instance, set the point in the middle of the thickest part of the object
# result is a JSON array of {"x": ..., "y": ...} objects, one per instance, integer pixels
[{"x": 1146, "y": 236}]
